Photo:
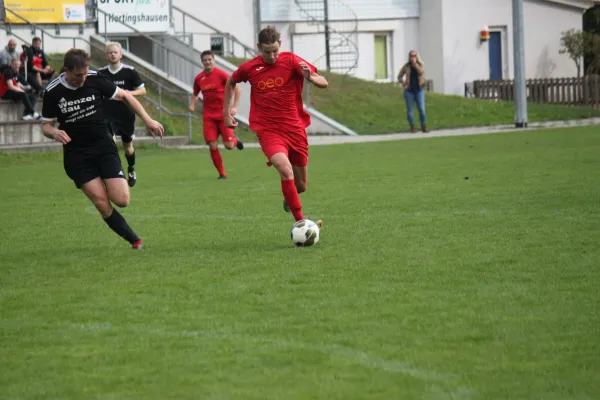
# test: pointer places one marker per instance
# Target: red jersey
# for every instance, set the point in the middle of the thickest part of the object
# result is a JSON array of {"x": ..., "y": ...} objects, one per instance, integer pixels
[
  {"x": 212, "y": 86},
  {"x": 276, "y": 92},
  {"x": 8, "y": 75}
]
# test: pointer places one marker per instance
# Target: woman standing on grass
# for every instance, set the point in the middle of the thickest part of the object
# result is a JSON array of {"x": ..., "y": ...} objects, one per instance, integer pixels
[{"x": 412, "y": 77}]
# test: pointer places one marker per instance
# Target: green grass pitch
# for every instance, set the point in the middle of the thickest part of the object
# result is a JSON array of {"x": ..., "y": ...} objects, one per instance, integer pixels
[{"x": 424, "y": 285}]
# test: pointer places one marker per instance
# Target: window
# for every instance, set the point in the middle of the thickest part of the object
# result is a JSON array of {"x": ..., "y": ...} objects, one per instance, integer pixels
[
  {"x": 124, "y": 42},
  {"x": 381, "y": 57},
  {"x": 217, "y": 45}
]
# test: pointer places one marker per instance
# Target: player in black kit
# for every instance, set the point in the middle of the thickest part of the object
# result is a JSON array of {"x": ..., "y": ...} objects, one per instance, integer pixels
[
  {"x": 121, "y": 119},
  {"x": 76, "y": 100}
]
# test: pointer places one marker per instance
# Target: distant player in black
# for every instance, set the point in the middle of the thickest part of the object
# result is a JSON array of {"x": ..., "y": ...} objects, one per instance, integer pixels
[
  {"x": 121, "y": 119},
  {"x": 76, "y": 100}
]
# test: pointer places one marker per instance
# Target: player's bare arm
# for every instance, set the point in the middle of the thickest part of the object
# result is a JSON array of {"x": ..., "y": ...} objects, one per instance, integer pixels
[
  {"x": 154, "y": 127},
  {"x": 53, "y": 133},
  {"x": 314, "y": 78},
  {"x": 228, "y": 119},
  {"x": 236, "y": 100},
  {"x": 192, "y": 107},
  {"x": 13, "y": 87},
  {"x": 141, "y": 91}
]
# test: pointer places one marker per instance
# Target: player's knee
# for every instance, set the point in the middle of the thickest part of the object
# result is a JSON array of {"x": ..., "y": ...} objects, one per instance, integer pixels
[
  {"x": 285, "y": 171},
  {"x": 229, "y": 145},
  {"x": 301, "y": 186},
  {"x": 128, "y": 147},
  {"x": 103, "y": 206},
  {"x": 213, "y": 145},
  {"x": 121, "y": 200}
]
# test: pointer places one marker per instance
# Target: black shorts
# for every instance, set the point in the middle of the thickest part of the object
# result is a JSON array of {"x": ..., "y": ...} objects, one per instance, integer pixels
[
  {"x": 123, "y": 129},
  {"x": 84, "y": 165},
  {"x": 46, "y": 77}
]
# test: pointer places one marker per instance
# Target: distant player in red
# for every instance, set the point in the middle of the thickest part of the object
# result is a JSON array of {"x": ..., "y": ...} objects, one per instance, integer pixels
[
  {"x": 276, "y": 112},
  {"x": 211, "y": 82}
]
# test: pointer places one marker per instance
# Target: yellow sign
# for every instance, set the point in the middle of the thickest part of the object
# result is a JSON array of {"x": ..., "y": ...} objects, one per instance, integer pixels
[{"x": 45, "y": 12}]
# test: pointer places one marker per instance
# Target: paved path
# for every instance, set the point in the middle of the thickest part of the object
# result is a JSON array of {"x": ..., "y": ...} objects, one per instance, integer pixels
[{"x": 341, "y": 139}]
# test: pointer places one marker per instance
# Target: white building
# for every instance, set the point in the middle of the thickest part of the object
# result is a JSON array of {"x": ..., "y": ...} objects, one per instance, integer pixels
[{"x": 380, "y": 33}]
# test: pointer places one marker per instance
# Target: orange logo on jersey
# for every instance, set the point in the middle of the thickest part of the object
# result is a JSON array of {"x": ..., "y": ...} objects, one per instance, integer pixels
[
  {"x": 270, "y": 83},
  {"x": 210, "y": 86}
]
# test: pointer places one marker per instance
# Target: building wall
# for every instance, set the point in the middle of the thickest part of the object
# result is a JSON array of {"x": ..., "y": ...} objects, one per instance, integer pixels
[
  {"x": 236, "y": 17},
  {"x": 442, "y": 32},
  {"x": 431, "y": 45},
  {"x": 288, "y": 10},
  {"x": 542, "y": 44},
  {"x": 465, "y": 58},
  {"x": 308, "y": 41}
]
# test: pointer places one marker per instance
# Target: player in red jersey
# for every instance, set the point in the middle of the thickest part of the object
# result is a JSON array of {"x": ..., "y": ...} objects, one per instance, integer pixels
[
  {"x": 277, "y": 113},
  {"x": 211, "y": 82}
]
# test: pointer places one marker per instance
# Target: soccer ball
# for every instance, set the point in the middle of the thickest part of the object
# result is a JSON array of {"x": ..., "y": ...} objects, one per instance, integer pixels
[{"x": 305, "y": 233}]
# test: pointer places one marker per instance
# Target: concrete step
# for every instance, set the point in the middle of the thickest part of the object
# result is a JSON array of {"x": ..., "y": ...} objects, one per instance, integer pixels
[
  {"x": 52, "y": 146},
  {"x": 21, "y": 132},
  {"x": 30, "y": 132},
  {"x": 12, "y": 111}
]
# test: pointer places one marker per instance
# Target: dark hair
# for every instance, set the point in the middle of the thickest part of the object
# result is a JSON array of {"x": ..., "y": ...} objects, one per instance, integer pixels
[
  {"x": 268, "y": 35},
  {"x": 76, "y": 58},
  {"x": 206, "y": 53},
  {"x": 36, "y": 39}
]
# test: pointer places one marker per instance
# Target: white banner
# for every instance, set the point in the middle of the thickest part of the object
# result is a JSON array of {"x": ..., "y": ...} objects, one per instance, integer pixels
[{"x": 143, "y": 15}]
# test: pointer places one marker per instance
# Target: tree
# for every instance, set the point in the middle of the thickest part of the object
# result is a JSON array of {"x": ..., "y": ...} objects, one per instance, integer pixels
[
  {"x": 575, "y": 43},
  {"x": 591, "y": 25}
]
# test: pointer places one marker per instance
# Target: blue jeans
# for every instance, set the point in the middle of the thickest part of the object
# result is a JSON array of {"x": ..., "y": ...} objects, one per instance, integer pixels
[{"x": 411, "y": 98}]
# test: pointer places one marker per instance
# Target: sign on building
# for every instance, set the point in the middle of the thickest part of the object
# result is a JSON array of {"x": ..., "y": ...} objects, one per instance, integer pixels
[
  {"x": 119, "y": 16},
  {"x": 45, "y": 12}
]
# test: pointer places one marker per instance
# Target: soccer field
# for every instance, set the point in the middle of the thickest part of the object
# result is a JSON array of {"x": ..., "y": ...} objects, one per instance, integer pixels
[{"x": 448, "y": 268}]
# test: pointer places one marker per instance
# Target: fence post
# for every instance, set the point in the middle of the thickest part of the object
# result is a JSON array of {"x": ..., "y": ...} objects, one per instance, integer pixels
[
  {"x": 190, "y": 115},
  {"x": 160, "y": 101}
]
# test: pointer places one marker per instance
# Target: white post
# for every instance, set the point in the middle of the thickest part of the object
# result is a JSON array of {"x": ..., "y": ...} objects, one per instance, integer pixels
[{"x": 520, "y": 86}]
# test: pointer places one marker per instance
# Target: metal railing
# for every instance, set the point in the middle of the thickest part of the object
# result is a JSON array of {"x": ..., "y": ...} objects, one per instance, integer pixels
[
  {"x": 158, "y": 102},
  {"x": 233, "y": 42},
  {"x": 340, "y": 24},
  {"x": 173, "y": 62}
]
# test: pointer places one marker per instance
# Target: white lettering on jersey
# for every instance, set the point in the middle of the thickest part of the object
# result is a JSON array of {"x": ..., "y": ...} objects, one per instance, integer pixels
[{"x": 74, "y": 105}]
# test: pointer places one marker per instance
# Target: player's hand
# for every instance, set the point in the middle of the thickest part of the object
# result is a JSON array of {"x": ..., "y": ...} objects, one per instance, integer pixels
[
  {"x": 192, "y": 108},
  {"x": 155, "y": 128},
  {"x": 229, "y": 121},
  {"x": 62, "y": 137},
  {"x": 306, "y": 72},
  {"x": 233, "y": 110}
]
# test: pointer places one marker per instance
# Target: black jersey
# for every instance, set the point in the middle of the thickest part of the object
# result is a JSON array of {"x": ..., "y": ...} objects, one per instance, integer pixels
[
  {"x": 126, "y": 78},
  {"x": 79, "y": 111}
]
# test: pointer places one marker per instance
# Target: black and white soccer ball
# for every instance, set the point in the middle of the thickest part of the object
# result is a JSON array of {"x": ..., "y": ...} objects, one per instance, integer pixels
[{"x": 305, "y": 233}]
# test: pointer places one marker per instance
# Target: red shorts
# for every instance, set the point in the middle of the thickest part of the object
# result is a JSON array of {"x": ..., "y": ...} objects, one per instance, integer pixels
[
  {"x": 215, "y": 126},
  {"x": 293, "y": 144}
]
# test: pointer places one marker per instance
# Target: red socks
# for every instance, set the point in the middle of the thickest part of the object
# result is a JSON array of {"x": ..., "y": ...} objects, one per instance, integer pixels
[
  {"x": 217, "y": 161},
  {"x": 290, "y": 194}
]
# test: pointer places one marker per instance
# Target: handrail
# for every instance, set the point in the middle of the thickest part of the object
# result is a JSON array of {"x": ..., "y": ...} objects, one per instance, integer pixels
[
  {"x": 44, "y": 32},
  {"x": 161, "y": 86},
  {"x": 142, "y": 34},
  {"x": 185, "y": 14}
]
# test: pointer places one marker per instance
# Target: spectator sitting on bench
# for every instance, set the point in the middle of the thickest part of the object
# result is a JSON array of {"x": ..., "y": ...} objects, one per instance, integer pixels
[
  {"x": 37, "y": 64},
  {"x": 7, "y": 54},
  {"x": 10, "y": 89}
]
